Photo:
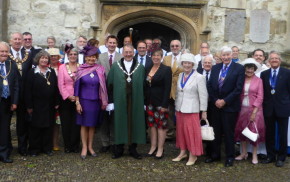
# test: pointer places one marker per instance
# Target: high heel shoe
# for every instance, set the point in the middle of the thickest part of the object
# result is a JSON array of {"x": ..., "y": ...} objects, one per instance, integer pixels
[
  {"x": 160, "y": 157},
  {"x": 242, "y": 157},
  {"x": 255, "y": 161},
  {"x": 177, "y": 159},
  {"x": 190, "y": 163},
  {"x": 93, "y": 154},
  {"x": 153, "y": 153}
]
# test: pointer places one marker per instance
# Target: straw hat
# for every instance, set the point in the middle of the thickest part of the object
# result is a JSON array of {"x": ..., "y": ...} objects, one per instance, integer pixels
[{"x": 54, "y": 52}]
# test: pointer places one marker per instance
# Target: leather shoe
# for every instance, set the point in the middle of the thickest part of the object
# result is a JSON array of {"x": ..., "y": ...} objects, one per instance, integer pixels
[
  {"x": 23, "y": 153},
  {"x": 279, "y": 163},
  {"x": 210, "y": 160},
  {"x": 104, "y": 149},
  {"x": 135, "y": 155},
  {"x": 66, "y": 150},
  {"x": 33, "y": 154},
  {"x": 7, "y": 160},
  {"x": 229, "y": 163},
  {"x": 267, "y": 161},
  {"x": 116, "y": 156}
]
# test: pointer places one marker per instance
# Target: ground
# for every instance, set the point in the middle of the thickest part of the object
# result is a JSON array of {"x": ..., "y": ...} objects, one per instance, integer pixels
[{"x": 70, "y": 167}]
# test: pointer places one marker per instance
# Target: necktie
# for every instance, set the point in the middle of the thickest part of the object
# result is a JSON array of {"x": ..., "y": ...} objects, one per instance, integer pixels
[
  {"x": 141, "y": 60},
  {"x": 17, "y": 56},
  {"x": 222, "y": 77},
  {"x": 206, "y": 76},
  {"x": 273, "y": 79},
  {"x": 111, "y": 60},
  {"x": 175, "y": 62},
  {"x": 5, "y": 88}
]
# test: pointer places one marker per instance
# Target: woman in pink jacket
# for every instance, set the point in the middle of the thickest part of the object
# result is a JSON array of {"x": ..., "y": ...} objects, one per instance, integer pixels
[{"x": 251, "y": 113}]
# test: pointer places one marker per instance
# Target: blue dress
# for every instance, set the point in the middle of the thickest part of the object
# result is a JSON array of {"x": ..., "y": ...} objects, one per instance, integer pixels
[{"x": 87, "y": 89}]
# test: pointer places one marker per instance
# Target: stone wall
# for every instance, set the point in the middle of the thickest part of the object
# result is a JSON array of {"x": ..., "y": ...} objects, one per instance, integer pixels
[{"x": 65, "y": 19}]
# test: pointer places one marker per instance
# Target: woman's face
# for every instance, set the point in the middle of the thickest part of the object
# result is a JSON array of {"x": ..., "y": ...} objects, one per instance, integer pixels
[
  {"x": 54, "y": 59},
  {"x": 156, "y": 58},
  {"x": 73, "y": 56},
  {"x": 187, "y": 66},
  {"x": 250, "y": 72},
  {"x": 217, "y": 59},
  {"x": 43, "y": 61},
  {"x": 91, "y": 59},
  {"x": 50, "y": 43}
]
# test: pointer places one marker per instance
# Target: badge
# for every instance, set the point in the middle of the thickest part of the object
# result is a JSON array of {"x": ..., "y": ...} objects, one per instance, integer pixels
[
  {"x": 48, "y": 83},
  {"x": 272, "y": 91},
  {"x": 129, "y": 79},
  {"x": 92, "y": 75}
]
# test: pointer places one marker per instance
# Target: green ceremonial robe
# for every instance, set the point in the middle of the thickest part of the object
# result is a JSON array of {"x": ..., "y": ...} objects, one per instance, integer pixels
[{"x": 119, "y": 88}]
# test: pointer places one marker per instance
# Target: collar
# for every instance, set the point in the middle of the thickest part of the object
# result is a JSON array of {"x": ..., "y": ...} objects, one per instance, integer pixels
[
  {"x": 37, "y": 70},
  {"x": 277, "y": 70},
  {"x": 113, "y": 54},
  {"x": 14, "y": 52},
  {"x": 228, "y": 65},
  {"x": 177, "y": 56}
]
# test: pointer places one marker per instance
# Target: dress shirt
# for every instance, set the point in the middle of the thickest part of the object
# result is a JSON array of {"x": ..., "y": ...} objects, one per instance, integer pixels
[
  {"x": 223, "y": 68},
  {"x": 272, "y": 72},
  {"x": 14, "y": 52},
  {"x": 177, "y": 59},
  {"x": 37, "y": 70},
  {"x": 113, "y": 56},
  {"x": 204, "y": 73},
  {"x": 144, "y": 59},
  {"x": 128, "y": 65}
]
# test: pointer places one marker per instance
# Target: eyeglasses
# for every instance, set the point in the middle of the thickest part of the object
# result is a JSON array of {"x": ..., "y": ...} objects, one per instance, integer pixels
[
  {"x": 27, "y": 39},
  {"x": 174, "y": 46}
]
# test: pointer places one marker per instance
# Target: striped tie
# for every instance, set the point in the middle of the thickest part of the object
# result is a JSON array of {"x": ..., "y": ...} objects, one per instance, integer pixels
[{"x": 5, "y": 88}]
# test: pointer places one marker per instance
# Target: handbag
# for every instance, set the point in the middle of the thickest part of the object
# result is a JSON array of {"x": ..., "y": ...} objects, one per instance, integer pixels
[
  {"x": 249, "y": 134},
  {"x": 207, "y": 132}
]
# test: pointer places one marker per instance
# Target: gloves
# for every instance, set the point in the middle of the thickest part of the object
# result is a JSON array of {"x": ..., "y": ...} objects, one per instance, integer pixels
[{"x": 110, "y": 107}]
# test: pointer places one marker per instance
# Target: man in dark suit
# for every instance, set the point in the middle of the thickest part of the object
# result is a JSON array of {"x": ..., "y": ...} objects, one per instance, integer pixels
[
  {"x": 9, "y": 90},
  {"x": 224, "y": 87},
  {"x": 24, "y": 64},
  {"x": 27, "y": 45},
  {"x": 141, "y": 56},
  {"x": 276, "y": 104}
]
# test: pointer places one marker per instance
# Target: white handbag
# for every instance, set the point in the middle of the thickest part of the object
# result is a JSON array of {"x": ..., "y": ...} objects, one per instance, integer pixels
[
  {"x": 207, "y": 132},
  {"x": 249, "y": 134}
]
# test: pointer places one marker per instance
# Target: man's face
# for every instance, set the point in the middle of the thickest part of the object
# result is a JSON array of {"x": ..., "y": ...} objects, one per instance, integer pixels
[
  {"x": 148, "y": 44},
  {"x": 207, "y": 63},
  {"x": 112, "y": 44},
  {"x": 27, "y": 41},
  {"x": 226, "y": 57},
  {"x": 259, "y": 57},
  {"x": 157, "y": 41},
  {"x": 204, "y": 45},
  {"x": 204, "y": 52},
  {"x": 127, "y": 41},
  {"x": 175, "y": 47},
  {"x": 128, "y": 53},
  {"x": 16, "y": 41},
  {"x": 141, "y": 47},
  {"x": 81, "y": 43},
  {"x": 235, "y": 53},
  {"x": 274, "y": 60},
  {"x": 3, "y": 53}
]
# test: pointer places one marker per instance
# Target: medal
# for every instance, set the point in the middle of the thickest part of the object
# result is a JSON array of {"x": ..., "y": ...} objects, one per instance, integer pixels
[
  {"x": 272, "y": 91},
  {"x": 19, "y": 66},
  {"x": 129, "y": 79},
  {"x": 48, "y": 83},
  {"x": 92, "y": 75},
  {"x": 5, "y": 82}
]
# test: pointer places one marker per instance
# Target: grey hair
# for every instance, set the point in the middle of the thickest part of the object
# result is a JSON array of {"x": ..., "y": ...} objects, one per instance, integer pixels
[
  {"x": 11, "y": 35},
  {"x": 130, "y": 46},
  {"x": 275, "y": 52},
  {"x": 226, "y": 49},
  {"x": 5, "y": 44},
  {"x": 209, "y": 56},
  {"x": 39, "y": 55}
]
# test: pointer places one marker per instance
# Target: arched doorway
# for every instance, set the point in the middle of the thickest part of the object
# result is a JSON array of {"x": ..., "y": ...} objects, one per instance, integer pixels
[{"x": 151, "y": 30}]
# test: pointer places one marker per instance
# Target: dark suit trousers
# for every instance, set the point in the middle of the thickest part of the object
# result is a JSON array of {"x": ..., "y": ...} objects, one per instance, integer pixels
[
  {"x": 270, "y": 136},
  {"x": 22, "y": 126},
  {"x": 224, "y": 124},
  {"x": 5, "y": 120},
  {"x": 70, "y": 130},
  {"x": 40, "y": 139}
]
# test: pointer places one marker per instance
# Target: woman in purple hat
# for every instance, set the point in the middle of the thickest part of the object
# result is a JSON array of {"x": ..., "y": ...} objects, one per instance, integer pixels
[{"x": 91, "y": 97}]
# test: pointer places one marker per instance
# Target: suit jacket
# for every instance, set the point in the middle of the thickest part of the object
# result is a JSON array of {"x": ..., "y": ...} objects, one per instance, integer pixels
[
  {"x": 280, "y": 101},
  {"x": 232, "y": 86},
  {"x": 175, "y": 74},
  {"x": 32, "y": 52},
  {"x": 148, "y": 61},
  {"x": 104, "y": 60},
  {"x": 13, "y": 81},
  {"x": 193, "y": 97},
  {"x": 158, "y": 93},
  {"x": 199, "y": 68}
]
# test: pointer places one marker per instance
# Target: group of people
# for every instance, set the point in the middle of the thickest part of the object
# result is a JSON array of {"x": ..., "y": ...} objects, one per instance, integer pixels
[{"x": 121, "y": 92}]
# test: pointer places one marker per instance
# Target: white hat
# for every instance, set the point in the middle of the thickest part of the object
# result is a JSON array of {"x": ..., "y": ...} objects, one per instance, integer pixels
[
  {"x": 251, "y": 61},
  {"x": 189, "y": 58},
  {"x": 54, "y": 52}
]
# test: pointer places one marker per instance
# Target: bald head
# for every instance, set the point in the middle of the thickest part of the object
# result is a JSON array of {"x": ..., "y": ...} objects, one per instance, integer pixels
[{"x": 175, "y": 47}]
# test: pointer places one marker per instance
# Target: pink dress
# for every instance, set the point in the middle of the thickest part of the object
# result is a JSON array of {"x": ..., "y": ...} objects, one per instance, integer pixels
[{"x": 252, "y": 96}]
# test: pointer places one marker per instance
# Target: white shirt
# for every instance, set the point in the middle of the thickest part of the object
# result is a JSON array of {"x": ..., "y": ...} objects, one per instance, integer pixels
[
  {"x": 103, "y": 49},
  {"x": 128, "y": 65},
  {"x": 177, "y": 59},
  {"x": 224, "y": 67},
  {"x": 144, "y": 59},
  {"x": 259, "y": 71},
  {"x": 14, "y": 52},
  {"x": 113, "y": 56},
  {"x": 37, "y": 70},
  {"x": 204, "y": 73}
]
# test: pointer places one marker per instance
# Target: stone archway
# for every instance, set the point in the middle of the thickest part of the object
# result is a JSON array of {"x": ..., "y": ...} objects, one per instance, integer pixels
[{"x": 183, "y": 20}]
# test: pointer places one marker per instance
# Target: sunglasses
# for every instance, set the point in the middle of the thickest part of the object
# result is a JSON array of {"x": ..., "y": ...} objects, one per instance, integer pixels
[{"x": 27, "y": 39}]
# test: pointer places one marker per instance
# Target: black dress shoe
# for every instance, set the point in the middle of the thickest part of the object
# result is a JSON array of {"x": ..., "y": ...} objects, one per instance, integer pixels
[
  {"x": 153, "y": 153},
  {"x": 49, "y": 153},
  {"x": 211, "y": 159},
  {"x": 268, "y": 160},
  {"x": 135, "y": 155},
  {"x": 104, "y": 149},
  {"x": 23, "y": 153},
  {"x": 7, "y": 160},
  {"x": 33, "y": 154},
  {"x": 66, "y": 150},
  {"x": 229, "y": 162},
  {"x": 116, "y": 156},
  {"x": 279, "y": 163}
]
